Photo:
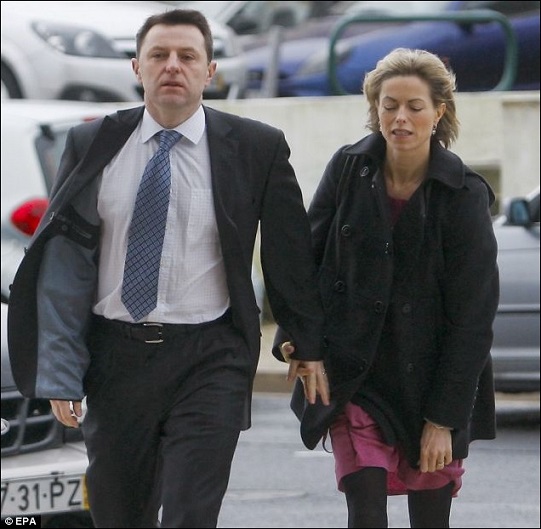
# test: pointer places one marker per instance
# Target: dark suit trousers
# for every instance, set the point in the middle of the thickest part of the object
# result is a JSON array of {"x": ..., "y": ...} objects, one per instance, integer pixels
[{"x": 162, "y": 424}]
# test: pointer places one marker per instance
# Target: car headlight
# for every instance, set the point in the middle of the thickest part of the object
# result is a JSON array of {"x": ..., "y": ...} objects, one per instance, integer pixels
[{"x": 73, "y": 40}]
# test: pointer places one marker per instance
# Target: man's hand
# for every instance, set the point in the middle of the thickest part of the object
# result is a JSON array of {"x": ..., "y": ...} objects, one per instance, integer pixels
[
  {"x": 312, "y": 375},
  {"x": 67, "y": 412}
]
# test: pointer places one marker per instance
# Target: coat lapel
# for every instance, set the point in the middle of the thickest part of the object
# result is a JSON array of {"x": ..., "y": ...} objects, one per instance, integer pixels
[
  {"x": 113, "y": 134},
  {"x": 225, "y": 174}
]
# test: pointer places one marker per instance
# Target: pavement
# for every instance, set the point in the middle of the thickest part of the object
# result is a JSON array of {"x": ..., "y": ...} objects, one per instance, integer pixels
[{"x": 271, "y": 378}]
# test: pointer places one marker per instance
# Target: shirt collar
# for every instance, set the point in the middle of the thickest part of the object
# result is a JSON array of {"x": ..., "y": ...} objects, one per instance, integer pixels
[{"x": 192, "y": 129}]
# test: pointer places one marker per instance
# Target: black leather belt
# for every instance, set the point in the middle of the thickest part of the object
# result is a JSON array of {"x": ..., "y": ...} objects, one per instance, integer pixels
[{"x": 151, "y": 332}]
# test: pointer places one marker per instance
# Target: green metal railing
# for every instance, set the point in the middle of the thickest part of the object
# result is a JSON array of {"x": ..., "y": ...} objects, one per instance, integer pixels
[{"x": 464, "y": 17}]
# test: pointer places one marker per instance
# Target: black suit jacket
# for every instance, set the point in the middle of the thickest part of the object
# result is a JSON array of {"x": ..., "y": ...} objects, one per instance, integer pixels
[{"x": 254, "y": 186}]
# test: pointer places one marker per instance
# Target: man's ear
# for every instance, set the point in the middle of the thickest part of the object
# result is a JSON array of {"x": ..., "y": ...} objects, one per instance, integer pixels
[
  {"x": 136, "y": 69},
  {"x": 211, "y": 70}
]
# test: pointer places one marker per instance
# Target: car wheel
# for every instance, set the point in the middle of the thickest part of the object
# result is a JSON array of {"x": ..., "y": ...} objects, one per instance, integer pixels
[{"x": 10, "y": 87}]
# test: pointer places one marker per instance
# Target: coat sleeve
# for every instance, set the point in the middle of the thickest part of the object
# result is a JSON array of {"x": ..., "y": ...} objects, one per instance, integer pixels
[
  {"x": 470, "y": 289},
  {"x": 60, "y": 273},
  {"x": 287, "y": 259},
  {"x": 320, "y": 216}
]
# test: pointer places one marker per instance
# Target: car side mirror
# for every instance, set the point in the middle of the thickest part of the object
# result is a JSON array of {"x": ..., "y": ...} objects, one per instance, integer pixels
[{"x": 518, "y": 212}]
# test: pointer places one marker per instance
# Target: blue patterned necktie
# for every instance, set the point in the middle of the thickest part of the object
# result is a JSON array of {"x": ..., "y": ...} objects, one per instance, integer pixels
[{"x": 147, "y": 230}]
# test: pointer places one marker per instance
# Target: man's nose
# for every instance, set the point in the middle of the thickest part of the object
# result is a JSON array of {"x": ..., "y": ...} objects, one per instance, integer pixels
[{"x": 173, "y": 62}]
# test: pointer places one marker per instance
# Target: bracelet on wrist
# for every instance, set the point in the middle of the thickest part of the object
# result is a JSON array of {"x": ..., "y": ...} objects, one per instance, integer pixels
[{"x": 438, "y": 426}]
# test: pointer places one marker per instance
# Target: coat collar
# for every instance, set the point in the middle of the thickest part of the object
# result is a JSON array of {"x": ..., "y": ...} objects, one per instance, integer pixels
[{"x": 444, "y": 165}]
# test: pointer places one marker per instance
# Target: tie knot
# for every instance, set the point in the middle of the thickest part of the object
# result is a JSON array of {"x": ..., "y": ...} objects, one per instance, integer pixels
[{"x": 168, "y": 138}]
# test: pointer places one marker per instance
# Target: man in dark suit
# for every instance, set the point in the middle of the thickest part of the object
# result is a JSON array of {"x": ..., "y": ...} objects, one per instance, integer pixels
[{"x": 169, "y": 386}]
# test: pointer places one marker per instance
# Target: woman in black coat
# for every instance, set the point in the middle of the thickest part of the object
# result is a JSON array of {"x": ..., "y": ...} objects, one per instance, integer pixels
[{"x": 407, "y": 265}]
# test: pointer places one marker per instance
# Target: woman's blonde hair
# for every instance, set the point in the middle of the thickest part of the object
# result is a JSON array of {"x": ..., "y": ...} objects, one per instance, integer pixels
[{"x": 428, "y": 67}]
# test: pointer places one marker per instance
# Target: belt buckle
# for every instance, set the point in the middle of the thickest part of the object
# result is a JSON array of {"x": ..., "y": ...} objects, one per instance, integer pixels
[{"x": 159, "y": 325}]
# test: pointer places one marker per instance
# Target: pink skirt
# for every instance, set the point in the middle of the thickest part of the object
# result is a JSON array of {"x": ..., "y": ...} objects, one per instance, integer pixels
[{"x": 357, "y": 443}]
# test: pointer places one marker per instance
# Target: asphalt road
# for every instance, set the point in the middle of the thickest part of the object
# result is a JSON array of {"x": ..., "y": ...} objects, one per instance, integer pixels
[{"x": 276, "y": 482}]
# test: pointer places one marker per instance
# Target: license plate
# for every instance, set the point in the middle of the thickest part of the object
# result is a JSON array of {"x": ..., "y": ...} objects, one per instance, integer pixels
[{"x": 44, "y": 495}]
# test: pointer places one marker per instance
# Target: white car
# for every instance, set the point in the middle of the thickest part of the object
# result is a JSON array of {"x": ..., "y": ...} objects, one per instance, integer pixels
[
  {"x": 33, "y": 135},
  {"x": 43, "y": 463},
  {"x": 81, "y": 51},
  {"x": 47, "y": 56}
]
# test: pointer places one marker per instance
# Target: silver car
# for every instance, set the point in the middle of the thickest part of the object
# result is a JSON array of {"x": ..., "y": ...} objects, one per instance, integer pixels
[{"x": 516, "y": 328}]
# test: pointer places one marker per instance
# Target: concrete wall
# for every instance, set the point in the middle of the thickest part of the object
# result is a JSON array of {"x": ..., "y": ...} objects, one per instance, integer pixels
[{"x": 499, "y": 133}]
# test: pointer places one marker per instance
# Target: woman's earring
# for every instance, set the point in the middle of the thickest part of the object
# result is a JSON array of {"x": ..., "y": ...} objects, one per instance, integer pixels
[{"x": 434, "y": 129}]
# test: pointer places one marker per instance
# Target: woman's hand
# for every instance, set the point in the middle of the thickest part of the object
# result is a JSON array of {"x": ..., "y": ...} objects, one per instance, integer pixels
[{"x": 436, "y": 447}]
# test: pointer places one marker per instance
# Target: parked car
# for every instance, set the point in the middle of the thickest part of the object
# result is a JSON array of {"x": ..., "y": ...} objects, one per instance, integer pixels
[
  {"x": 47, "y": 57},
  {"x": 33, "y": 135},
  {"x": 80, "y": 50},
  {"x": 43, "y": 463},
  {"x": 516, "y": 328},
  {"x": 304, "y": 62}
]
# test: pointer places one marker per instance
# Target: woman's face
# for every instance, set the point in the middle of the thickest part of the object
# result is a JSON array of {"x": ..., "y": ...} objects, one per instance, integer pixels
[{"x": 406, "y": 113}]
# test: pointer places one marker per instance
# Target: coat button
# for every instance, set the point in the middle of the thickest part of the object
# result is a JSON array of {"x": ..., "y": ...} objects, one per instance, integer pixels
[
  {"x": 365, "y": 171},
  {"x": 346, "y": 230},
  {"x": 378, "y": 307},
  {"x": 406, "y": 308},
  {"x": 65, "y": 228},
  {"x": 410, "y": 368},
  {"x": 339, "y": 286},
  {"x": 363, "y": 364}
]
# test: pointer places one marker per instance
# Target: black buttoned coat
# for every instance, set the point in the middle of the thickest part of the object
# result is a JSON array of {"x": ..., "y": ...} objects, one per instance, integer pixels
[{"x": 409, "y": 309}]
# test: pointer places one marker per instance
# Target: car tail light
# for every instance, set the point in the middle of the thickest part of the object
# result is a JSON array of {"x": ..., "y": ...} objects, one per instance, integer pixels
[{"x": 27, "y": 216}]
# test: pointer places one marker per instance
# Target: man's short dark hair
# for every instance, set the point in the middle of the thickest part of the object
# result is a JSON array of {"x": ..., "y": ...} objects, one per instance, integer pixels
[{"x": 175, "y": 17}]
